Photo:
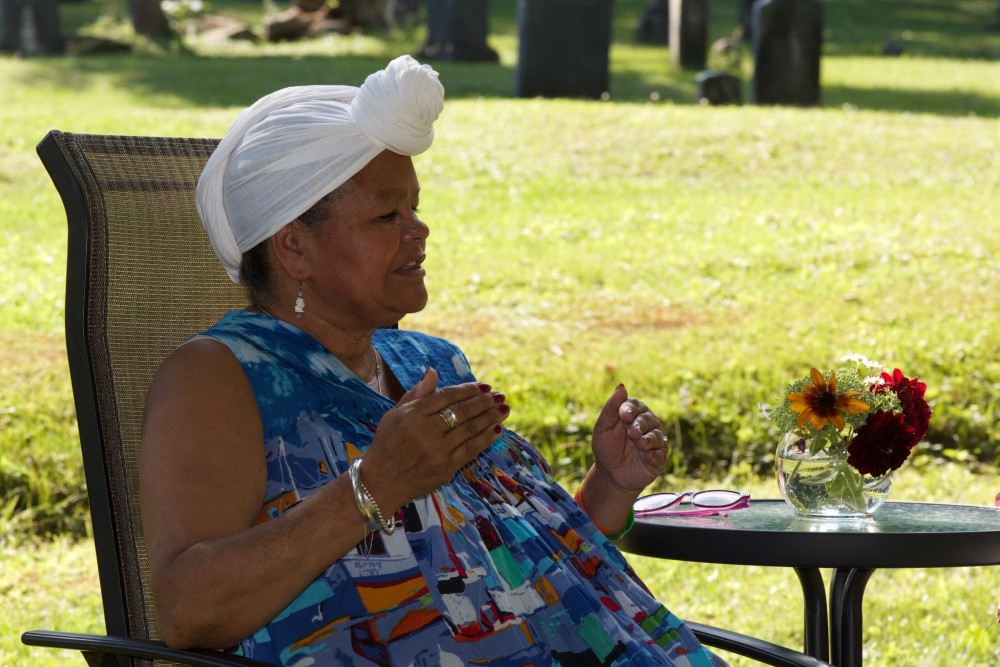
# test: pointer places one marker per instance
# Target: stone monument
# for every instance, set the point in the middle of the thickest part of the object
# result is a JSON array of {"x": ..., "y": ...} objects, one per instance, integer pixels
[
  {"x": 457, "y": 30},
  {"x": 688, "y": 33},
  {"x": 717, "y": 88},
  {"x": 563, "y": 48},
  {"x": 787, "y": 43},
  {"x": 30, "y": 27},
  {"x": 654, "y": 27}
]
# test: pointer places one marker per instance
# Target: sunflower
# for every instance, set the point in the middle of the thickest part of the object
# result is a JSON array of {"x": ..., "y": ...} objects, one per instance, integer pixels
[{"x": 820, "y": 403}]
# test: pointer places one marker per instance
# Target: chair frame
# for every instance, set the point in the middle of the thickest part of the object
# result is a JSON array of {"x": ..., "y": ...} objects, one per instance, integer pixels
[
  {"x": 122, "y": 641},
  {"x": 124, "y": 644}
]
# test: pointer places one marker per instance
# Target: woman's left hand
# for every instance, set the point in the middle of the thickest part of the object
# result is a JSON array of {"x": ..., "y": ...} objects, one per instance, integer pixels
[{"x": 629, "y": 444}]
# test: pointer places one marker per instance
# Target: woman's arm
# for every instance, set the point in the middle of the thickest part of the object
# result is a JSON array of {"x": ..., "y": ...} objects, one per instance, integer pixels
[
  {"x": 630, "y": 451},
  {"x": 217, "y": 577},
  {"x": 607, "y": 504}
]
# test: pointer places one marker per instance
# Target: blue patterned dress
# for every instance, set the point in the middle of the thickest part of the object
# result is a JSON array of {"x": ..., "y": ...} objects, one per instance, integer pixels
[{"x": 500, "y": 566}]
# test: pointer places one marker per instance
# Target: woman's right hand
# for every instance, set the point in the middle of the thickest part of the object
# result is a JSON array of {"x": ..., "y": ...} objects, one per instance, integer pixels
[{"x": 415, "y": 451}]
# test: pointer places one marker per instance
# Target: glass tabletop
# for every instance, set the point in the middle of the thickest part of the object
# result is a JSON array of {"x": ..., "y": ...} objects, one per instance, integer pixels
[
  {"x": 769, "y": 532},
  {"x": 893, "y": 517}
]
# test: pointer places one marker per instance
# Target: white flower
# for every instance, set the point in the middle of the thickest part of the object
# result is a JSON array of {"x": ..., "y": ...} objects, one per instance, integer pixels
[{"x": 861, "y": 360}]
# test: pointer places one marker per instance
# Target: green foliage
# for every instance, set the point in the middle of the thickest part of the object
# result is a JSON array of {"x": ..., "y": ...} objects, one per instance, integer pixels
[{"x": 41, "y": 474}]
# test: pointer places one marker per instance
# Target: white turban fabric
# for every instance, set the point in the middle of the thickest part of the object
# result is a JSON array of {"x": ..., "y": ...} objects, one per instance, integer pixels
[{"x": 292, "y": 147}]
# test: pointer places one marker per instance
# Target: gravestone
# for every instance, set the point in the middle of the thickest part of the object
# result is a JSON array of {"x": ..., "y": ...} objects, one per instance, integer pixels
[
  {"x": 892, "y": 48},
  {"x": 718, "y": 88},
  {"x": 654, "y": 27},
  {"x": 746, "y": 18},
  {"x": 30, "y": 27},
  {"x": 401, "y": 13},
  {"x": 995, "y": 26},
  {"x": 149, "y": 19},
  {"x": 457, "y": 30},
  {"x": 787, "y": 43},
  {"x": 688, "y": 33},
  {"x": 563, "y": 48}
]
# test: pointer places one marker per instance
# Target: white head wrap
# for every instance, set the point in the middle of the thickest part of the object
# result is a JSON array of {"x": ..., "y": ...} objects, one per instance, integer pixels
[{"x": 292, "y": 147}]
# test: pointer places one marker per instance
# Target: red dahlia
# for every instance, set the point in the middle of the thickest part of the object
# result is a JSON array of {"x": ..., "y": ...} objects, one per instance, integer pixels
[
  {"x": 882, "y": 444},
  {"x": 911, "y": 397}
]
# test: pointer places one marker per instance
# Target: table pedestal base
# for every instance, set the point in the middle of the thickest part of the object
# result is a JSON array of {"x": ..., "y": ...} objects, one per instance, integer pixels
[{"x": 836, "y": 637}]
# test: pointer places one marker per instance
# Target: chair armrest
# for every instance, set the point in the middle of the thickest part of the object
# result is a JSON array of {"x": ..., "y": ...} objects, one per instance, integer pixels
[
  {"x": 752, "y": 647},
  {"x": 101, "y": 645}
]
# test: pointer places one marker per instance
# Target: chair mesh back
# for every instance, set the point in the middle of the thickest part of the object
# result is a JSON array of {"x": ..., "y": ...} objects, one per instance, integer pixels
[{"x": 151, "y": 281}]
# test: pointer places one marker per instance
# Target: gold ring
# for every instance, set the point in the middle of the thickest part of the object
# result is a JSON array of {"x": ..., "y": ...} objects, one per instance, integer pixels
[{"x": 448, "y": 415}]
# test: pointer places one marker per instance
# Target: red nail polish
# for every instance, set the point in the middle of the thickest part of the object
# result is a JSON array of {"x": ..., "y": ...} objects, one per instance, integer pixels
[
  {"x": 499, "y": 398},
  {"x": 498, "y": 429},
  {"x": 504, "y": 409},
  {"x": 483, "y": 387}
]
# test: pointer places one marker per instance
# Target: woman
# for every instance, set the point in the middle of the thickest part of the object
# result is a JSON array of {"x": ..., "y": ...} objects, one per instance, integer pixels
[{"x": 317, "y": 489}]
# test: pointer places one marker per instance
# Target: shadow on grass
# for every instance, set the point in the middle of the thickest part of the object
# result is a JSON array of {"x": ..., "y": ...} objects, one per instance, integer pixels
[
  {"x": 928, "y": 27},
  {"x": 932, "y": 28},
  {"x": 952, "y": 103},
  {"x": 234, "y": 81}
]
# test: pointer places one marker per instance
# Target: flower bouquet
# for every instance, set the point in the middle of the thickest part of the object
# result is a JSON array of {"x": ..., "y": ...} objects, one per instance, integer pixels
[{"x": 845, "y": 431}]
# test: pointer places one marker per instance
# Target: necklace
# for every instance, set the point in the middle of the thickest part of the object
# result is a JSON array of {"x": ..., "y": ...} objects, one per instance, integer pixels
[
  {"x": 375, "y": 382},
  {"x": 261, "y": 309}
]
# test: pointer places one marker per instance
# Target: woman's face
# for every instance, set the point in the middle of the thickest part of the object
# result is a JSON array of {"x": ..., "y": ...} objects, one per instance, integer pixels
[{"x": 366, "y": 257}]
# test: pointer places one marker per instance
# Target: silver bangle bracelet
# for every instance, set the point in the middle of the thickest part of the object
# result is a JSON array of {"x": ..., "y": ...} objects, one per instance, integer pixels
[{"x": 369, "y": 509}]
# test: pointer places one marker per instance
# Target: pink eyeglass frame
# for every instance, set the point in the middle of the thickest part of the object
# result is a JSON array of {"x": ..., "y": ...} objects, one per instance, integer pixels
[{"x": 668, "y": 509}]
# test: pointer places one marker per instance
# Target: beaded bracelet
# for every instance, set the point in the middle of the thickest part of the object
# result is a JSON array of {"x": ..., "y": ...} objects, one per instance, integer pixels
[
  {"x": 369, "y": 509},
  {"x": 614, "y": 537}
]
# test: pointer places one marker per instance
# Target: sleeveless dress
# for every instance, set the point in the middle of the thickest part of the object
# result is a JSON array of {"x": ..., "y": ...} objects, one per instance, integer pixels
[{"x": 500, "y": 566}]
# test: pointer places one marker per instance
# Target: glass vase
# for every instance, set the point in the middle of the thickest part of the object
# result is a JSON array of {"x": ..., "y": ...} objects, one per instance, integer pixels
[{"x": 819, "y": 482}]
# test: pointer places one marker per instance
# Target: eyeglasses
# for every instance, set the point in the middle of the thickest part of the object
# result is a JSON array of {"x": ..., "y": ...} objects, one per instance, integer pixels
[{"x": 702, "y": 503}]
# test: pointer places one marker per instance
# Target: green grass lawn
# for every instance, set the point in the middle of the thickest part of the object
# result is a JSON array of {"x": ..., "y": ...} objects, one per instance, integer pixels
[{"x": 704, "y": 256}]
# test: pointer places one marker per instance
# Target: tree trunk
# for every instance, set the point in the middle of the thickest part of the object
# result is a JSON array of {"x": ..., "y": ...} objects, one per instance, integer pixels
[
  {"x": 148, "y": 18},
  {"x": 363, "y": 13}
]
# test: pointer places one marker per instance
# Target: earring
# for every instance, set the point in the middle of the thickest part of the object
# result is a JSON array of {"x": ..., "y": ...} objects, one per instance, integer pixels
[{"x": 300, "y": 303}]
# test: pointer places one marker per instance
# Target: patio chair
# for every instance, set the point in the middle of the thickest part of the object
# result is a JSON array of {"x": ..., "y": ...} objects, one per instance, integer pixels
[{"x": 141, "y": 278}]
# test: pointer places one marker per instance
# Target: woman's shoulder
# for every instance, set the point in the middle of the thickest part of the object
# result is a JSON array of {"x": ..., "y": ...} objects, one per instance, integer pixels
[
  {"x": 200, "y": 353},
  {"x": 201, "y": 366},
  {"x": 417, "y": 339},
  {"x": 213, "y": 357},
  {"x": 421, "y": 350},
  {"x": 254, "y": 338},
  {"x": 236, "y": 323}
]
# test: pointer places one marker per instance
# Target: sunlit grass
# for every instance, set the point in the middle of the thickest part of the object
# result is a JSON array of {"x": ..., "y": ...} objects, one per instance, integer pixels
[
  {"x": 701, "y": 255},
  {"x": 47, "y": 586}
]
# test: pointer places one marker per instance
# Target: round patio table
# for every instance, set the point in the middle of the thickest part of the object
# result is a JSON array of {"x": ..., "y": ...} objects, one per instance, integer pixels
[{"x": 770, "y": 533}]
